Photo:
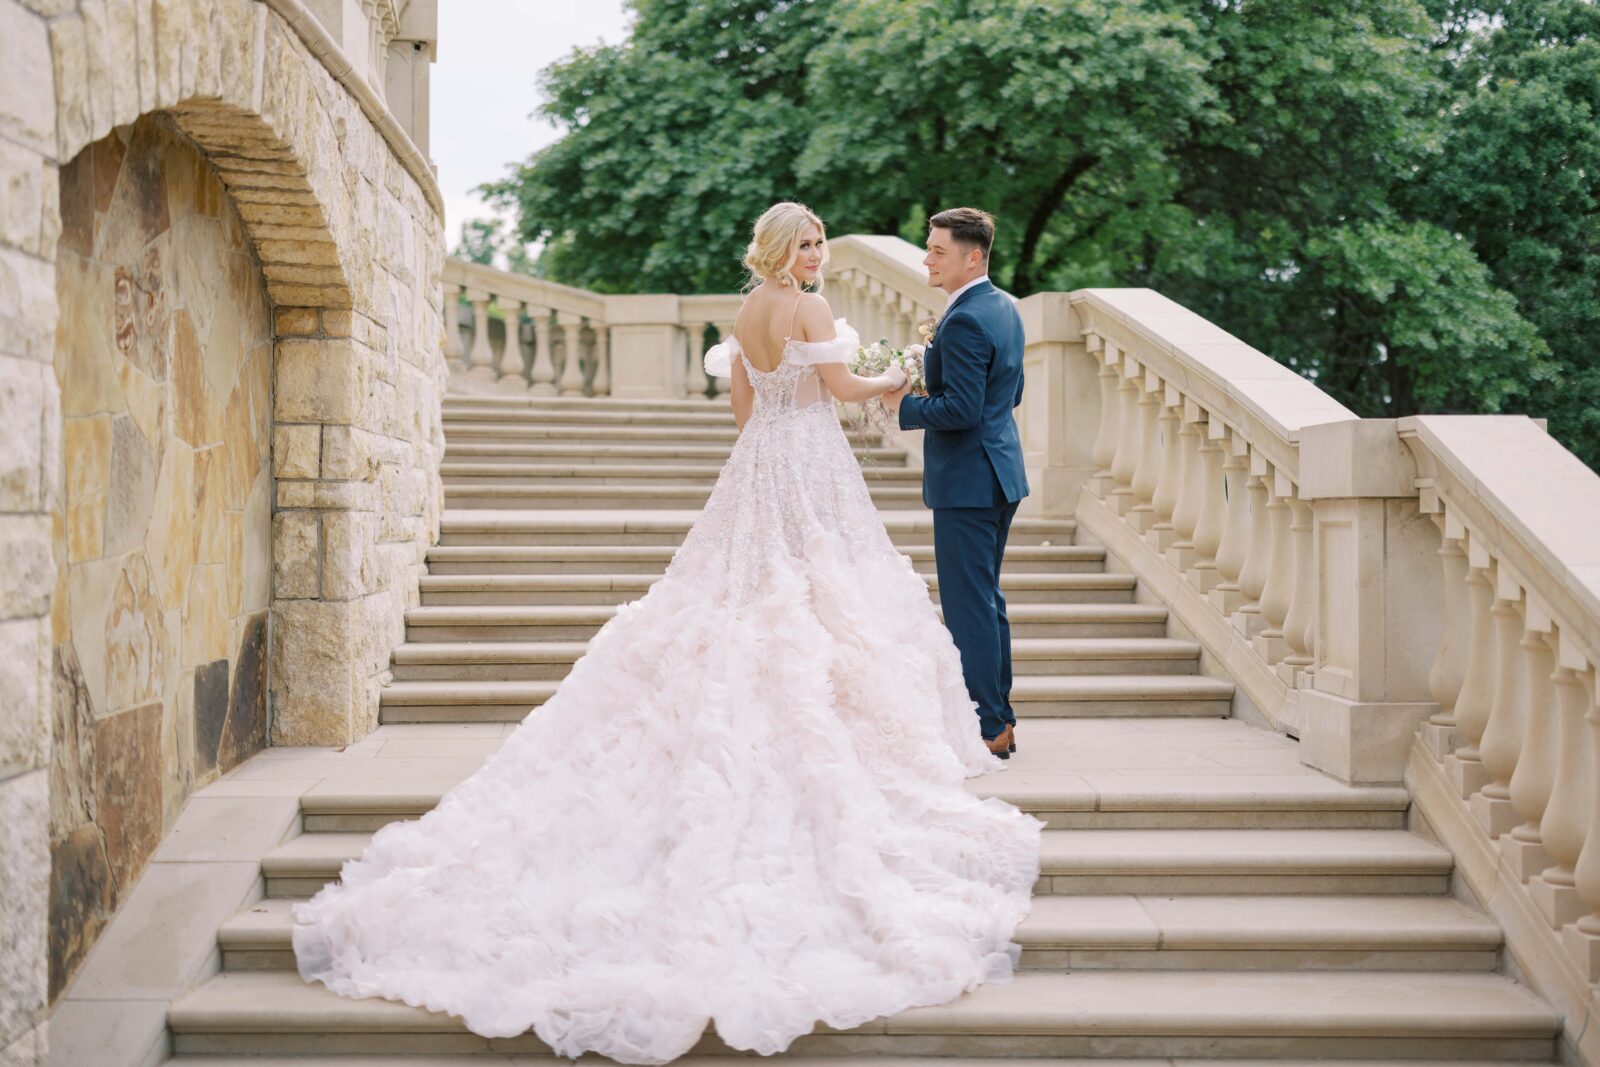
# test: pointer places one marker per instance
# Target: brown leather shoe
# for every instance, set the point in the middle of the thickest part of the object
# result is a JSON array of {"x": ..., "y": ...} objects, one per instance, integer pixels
[{"x": 1001, "y": 744}]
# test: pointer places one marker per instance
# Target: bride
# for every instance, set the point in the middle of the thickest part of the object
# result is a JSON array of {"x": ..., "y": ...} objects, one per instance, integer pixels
[{"x": 744, "y": 804}]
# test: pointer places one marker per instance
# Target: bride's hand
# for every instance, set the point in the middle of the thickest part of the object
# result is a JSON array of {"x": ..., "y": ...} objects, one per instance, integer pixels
[{"x": 896, "y": 377}]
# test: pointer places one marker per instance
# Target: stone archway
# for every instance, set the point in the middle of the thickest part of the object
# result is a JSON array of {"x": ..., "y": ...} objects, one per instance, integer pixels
[{"x": 343, "y": 220}]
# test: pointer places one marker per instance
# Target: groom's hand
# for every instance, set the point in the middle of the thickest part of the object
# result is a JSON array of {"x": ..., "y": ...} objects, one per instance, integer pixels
[{"x": 892, "y": 398}]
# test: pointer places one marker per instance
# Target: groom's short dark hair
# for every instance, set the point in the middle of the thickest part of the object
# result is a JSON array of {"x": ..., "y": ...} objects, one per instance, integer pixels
[{"x": 968, "y": 226}]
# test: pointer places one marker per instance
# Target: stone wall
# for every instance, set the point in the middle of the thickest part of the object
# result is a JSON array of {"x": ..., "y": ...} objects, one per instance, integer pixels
[
  {"x": 162, "y": 533},
  {"x": 306, "y": 171}
]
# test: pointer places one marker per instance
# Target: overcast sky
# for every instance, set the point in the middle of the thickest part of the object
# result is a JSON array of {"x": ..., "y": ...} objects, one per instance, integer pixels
[{"x": 484, "y": 86}]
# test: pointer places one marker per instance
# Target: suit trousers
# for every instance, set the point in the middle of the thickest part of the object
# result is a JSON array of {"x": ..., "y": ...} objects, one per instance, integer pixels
[{"x": 968, "y": 544}]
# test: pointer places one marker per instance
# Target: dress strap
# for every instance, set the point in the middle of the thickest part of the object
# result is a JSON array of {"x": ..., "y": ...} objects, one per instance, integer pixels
[{"x": 794, "y": 315}]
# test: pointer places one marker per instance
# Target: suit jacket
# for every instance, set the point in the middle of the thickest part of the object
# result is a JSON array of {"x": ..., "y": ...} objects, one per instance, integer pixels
[{"x": 973, "y": 370}]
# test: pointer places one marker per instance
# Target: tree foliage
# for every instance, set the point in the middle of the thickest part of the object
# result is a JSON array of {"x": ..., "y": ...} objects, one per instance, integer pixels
[{"x": 1395, "y": 197}]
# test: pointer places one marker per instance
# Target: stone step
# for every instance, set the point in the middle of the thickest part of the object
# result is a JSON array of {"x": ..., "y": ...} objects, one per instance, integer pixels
[
  {"x": 653, "y": 559},
  {"x": 531, "y": 403},
  {"x": 480, "y": 415},
  {"x": 551, "y": 660},
  {"x": 612, "y": 453},
  {"x": 568, "y": 623},
  {"x": 615, "y": 526},
  {"x": 1138, "y": 933},
  {"x": 653, "y": 497},
  {"x": 1032, "y": 696},
  {"x": 1311, "y": 1015},
  {"x": 467, "y": 1060},
  {"x": 470, "y": 589},
  {"x": 461, "y": 473},
  {"x": 1091, "y": 799},
  {"x": 600, "y": 433},
  {"x": 1095, "y": 862}
]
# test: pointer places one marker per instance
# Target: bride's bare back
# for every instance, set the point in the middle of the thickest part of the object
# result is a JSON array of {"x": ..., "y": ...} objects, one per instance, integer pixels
[{"x": 766, "y": 322}]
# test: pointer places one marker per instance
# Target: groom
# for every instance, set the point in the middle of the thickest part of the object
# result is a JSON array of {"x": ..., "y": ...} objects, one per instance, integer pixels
[{"x": 972, "y": 475}]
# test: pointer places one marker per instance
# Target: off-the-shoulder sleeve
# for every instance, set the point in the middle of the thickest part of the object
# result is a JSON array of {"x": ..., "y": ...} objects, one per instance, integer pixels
[
  {"x": 719, "y": 358},
  {"x": 842, "y": 349}
]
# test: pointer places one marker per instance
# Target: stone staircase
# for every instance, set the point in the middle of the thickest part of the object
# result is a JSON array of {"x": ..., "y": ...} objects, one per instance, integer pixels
[{"x": 1203, "y": 896}]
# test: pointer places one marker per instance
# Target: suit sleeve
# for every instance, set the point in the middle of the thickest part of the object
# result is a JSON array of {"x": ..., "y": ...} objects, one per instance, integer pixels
[{"x": 964, "y": 358}]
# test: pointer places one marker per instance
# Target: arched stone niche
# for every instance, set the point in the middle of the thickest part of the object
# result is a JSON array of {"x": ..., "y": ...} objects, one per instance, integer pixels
[{"x": 162, "y": 530}]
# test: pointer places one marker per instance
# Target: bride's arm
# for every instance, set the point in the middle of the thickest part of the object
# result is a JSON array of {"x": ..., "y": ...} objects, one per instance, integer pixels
[
  {"x": 852, "y": 388},
  {"x": 743, "y": 394},
  {"x": 815, "y": 323}
]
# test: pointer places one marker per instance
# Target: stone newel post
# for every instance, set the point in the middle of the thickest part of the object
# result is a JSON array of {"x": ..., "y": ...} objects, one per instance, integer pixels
[
  {"x": 1059, "y": 415},
  {"x": 647, "y": 346},
  {"x": 1377, "y": 597}
]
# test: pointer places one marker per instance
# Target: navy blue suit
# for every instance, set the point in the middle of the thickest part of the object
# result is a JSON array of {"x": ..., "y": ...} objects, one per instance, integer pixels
[{"x": 973, "y": 478}]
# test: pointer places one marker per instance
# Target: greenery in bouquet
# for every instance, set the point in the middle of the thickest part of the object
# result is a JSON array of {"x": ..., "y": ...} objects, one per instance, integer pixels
[{"x": 871, "y": 361}]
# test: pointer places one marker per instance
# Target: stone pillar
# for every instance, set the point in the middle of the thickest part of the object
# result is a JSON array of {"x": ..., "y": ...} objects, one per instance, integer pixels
[
  {"x": 571, "y": 325},
  {"x": 1377, "y": 601},
  {"x": 512, "y": 365},
  {"x": 647, "y": 346},
  {"x": 602, "y": 361},
  {"x": 481, "y": 359},
  {"x": 452, "y": 328},
  {"x": 544, "y": 368}
]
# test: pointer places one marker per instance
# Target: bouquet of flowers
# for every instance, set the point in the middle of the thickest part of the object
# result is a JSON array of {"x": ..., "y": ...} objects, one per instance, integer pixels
[{"x": 876, "y": 358}]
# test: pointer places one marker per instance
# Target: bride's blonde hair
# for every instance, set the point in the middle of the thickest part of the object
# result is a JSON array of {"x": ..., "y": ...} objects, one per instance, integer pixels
[{"x": 775, "y": 245}]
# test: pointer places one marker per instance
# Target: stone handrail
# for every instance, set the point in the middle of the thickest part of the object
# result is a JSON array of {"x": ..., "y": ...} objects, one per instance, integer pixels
[{"x": 1517, "y": 732}]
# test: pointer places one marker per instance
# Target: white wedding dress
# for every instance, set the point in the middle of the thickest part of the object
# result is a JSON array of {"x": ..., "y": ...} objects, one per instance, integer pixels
[{"x": 743, "y": 806}]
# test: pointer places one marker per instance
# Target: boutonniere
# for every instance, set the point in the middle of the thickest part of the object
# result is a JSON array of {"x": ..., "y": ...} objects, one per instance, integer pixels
[{"x": 928, "y": 327}]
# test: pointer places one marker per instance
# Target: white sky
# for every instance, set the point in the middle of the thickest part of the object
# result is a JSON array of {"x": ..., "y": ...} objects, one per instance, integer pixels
[{"x": 484, "y": 86}]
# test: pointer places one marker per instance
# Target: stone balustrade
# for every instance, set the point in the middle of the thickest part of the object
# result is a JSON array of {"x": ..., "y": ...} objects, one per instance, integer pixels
[{"x": 627, "y": 346}]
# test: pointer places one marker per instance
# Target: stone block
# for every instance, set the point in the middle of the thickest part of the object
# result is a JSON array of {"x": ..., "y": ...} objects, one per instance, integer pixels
[
  {"x": 296, "y": 322},
  {"x": 24, "y": 179},
  {"x": 25, "y": 859},
  {"x": 24, "y": 695},
  {"x": 21, "y": 435},
  {"x": 348, "y": 568},
  {"x": 296, "y": 450},
  {"x": 210, "y": 714},
  {"x": 319, "y": 381},
  {"x": 347, "y": 454},
  {"x": 245, "y": 732},
  {"x": 27, "y": 306},
  {"x": 128, "y": 775},
  {"x": 28, "y": 1050},
  {"x": 28, "y": 99},
  {"x": 169, "y": 536},
  {"x": 1355, "y": 742},
  {"x": 205, "y": 617},
  {"x": 316, "y": 689},
  {"x": 81, "y": 898},
  {"x": 131, "y": 490},
  {"x": 71, "y": 750},
  {"x": 296, "y": 555},
  {"x": 139, "y": 647},
  {"x": 27, "y": 567},
  {"x": 342, "y": 496}
]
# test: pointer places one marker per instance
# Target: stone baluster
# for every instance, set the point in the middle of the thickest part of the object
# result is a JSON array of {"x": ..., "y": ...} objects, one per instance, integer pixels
[
  {"x": 512, "y": 363},
  {"x": 1269, "y": 643},
  {"x": 572, "y": 366},
  {"x": 1226, "y": 597},
  {"x": 844, "y": 291},
  {"x": 1583, "y": 938},
  {"x": 1128, "y": 443},
  {"x": 1535, "y": 775},
  {"x": 697, "y": 384},
  {"x": 1476, "y": 698},
  {"x": 1165, "y": 499},
  {"x": 1565, "y": 828},
  {"x": 1147, "y": 470},
  {"x": 1449, "y": 665},
  {"x": 1248, "y": 619},
  {"x": 452, "y": 328},
  {"x": 906, "y": 331},
  {"x": 1204, "y": 575},
  {"x": 1501, "y": 745},
  {"x": 874, "y": 316},
  {"x": 602, "y": 360},
  {"x": 1191, "y": 483},
  {"x": 544, "y": 367},
  {"x": 1297, "y": 633},
  {"x": 725, "y": 333},
  {"x": 1105, "y": 438},
  {"x": 480, "y": 362}
]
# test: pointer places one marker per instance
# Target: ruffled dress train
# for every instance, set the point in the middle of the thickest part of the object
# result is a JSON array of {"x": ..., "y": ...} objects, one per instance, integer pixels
[{"x": 743, "y": 806}]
